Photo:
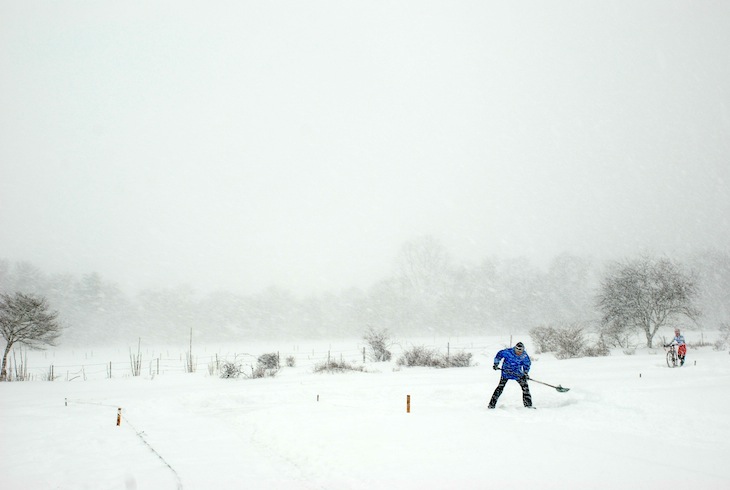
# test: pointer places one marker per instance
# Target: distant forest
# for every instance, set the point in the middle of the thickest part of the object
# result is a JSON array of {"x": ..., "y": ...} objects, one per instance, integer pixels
[{"x": 426, "y": 294}]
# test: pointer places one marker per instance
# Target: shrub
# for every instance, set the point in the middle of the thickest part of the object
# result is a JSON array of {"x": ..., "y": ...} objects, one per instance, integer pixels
[
  {"x": 460, "y": 359},
  {"x": 419, "y": 355},
  {"x": 267, "y": 365},
  {"x": 261, "y": 371},
  {"x": 616, "y": 334},
  {"x": 600, "y": 349},
  {"x": 290, "y": 361},
  {"x": 337, "y": 366},
  {"x": 567, "y": 342},
  {"x": 724, "y": 339},
  {"x": 269, "y": 361},
  {"x": 571, "y": 342},
  {"x": 544, "y": 338},
  {"x": 230, "y": 369},
  {"x": 378, "y": 341},
  {"x": 425, "y": 357}
]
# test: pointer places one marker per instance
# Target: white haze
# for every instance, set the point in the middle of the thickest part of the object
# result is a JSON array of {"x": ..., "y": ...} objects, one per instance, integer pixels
[{"x": 234, "y": 145}]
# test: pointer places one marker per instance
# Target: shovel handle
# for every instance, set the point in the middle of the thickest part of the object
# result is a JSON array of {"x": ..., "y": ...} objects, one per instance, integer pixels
[{"x": 558, "y": 388}]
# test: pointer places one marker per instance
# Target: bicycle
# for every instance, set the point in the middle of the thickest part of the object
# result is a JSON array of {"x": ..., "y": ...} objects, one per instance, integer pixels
[{"x": 672, "y": 358}]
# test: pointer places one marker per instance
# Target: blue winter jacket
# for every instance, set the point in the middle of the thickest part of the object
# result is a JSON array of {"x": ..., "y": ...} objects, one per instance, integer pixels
[{"x": 514, "y": 366}]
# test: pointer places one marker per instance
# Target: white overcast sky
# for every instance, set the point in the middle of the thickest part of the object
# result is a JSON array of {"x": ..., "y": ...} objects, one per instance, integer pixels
[{"x": 241, "y": 144}]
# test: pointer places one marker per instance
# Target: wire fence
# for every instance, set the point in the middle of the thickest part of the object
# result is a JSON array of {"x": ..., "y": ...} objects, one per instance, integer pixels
[{"x": 150, "y": 365}]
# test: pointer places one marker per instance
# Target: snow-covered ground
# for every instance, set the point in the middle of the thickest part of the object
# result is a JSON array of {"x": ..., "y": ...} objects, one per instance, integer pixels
[{"x": 628, "y": 421}]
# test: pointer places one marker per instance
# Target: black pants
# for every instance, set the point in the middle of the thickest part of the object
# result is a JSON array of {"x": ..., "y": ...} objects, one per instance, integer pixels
[{"x": 526, "y": 398}]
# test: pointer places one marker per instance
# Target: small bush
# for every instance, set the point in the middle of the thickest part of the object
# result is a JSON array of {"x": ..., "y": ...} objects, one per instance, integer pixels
[
  {"x": 571, "y": 342},
  {"x": 598, "y": 350},
  {"x": 461, "y": 359},
  {"x": 337, "y": 366},
  {"x": 290, "y": 361},
  {"x": 230, "y": 369},
  {"x": 544, "y": 338},
  {"x": 724, "y": 339},
  {"x": 617, "y": 334},
  {"x": 378, "y": 341},
  {"x": 425, "y": 357},
  {"x": 419, "y": 355},
  {"x": 567, "y": 342},
  {"x": 269, "y": 361},
  {"x": 261, "y": 371},
  {"x": 267, "y": 365}
]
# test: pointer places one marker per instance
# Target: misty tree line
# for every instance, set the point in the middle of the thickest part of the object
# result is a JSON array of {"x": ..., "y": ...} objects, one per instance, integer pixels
[{"x": 426, "y": 294}]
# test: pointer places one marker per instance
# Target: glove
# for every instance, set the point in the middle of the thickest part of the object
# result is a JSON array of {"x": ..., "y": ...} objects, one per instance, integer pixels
[{"x": 496, "y": 367}]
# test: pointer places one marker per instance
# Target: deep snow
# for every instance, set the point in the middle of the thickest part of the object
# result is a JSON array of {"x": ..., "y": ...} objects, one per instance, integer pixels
[{"x": 628, "y": 421}]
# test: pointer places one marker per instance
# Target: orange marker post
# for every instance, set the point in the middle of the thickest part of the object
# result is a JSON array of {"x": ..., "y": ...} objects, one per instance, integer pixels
[{"x": 119, "y": 416}]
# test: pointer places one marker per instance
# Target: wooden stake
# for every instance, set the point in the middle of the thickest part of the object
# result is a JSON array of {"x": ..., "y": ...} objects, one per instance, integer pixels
[
  {"x": 408, "y": 403},
  {"x": 119, "y": 417}
]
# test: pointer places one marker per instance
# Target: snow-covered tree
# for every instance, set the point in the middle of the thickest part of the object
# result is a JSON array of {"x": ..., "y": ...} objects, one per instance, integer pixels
[
  {"x": 26, "y": 319},
  {"x": 646, "y": 294}
]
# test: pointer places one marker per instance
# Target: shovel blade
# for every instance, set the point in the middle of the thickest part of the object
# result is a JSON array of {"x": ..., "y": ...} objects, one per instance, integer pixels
[{"x": 561, "y": 389}]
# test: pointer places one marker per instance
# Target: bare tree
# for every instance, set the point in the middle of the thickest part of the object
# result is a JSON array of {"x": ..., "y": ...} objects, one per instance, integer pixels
[
  {"x": 379, "y": 343},
  {"x": 646, "y": 294},
  {"x": 423, "y": 275},
  {"x": 423, "y": 265},
  {"x": 25, "y": 319}
]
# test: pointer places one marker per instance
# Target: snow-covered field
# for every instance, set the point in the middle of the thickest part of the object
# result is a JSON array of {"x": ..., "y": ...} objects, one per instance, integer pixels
[{"x": 628, "y": 421}]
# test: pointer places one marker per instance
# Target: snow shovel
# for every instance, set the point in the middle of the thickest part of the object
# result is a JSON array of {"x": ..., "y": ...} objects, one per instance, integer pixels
[{"x": 559, "y": 388}]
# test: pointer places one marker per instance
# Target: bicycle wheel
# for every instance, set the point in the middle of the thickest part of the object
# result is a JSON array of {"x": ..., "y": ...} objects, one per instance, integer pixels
[{"x": 671, "y": 359}]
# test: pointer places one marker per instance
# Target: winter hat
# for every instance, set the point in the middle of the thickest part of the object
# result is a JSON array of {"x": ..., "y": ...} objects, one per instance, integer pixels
[{"x": 520, "y": 345}]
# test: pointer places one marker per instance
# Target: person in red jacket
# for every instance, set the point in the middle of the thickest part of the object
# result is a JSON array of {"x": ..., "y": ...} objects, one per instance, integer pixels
[{"x": 516, "y": 366}]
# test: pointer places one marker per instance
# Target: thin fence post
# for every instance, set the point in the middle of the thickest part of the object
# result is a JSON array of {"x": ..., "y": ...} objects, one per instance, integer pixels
[
  {"x": 363, "y": 355},
  {"x": 408, "y": 403},
  {"x": 119, "y": 416}
]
